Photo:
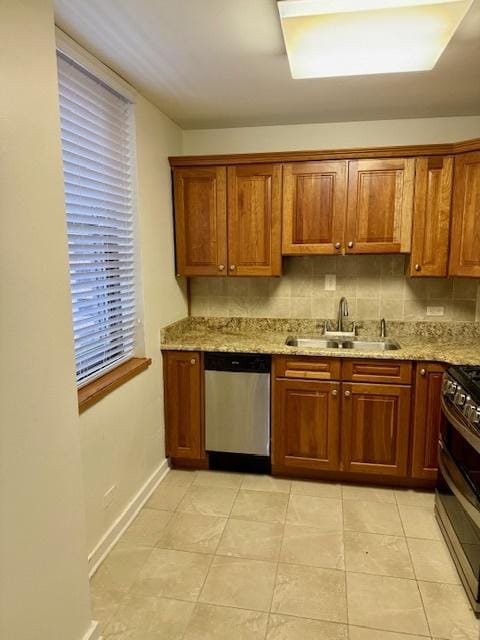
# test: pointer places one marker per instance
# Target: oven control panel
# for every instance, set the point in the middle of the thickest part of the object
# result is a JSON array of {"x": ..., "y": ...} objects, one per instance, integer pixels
[{"x": 457, "y": 396}]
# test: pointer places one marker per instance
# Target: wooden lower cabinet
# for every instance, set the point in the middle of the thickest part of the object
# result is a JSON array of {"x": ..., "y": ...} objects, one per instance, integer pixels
[
  {"x": 305, "y": 426},
  {"x": 183, "y": 398},
  {"x": 322, "y": 425},
  {"x": 427, "y": 419},
  {"x": 375, "y": 428}
]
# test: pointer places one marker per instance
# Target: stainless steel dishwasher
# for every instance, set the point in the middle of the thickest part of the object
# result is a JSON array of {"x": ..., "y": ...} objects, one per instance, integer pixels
[{"x": 237, "y": 410}]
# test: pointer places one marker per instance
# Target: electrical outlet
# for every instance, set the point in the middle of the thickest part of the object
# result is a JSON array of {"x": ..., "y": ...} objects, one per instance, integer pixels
[
  {"x": 435, "y": 311},
  {"x": 108, "y": 496},
  {"x": 330, "y": 282}
]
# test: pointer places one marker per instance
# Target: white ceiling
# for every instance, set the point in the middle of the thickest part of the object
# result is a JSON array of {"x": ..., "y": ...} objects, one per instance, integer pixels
[{"x": 222, "y": 63}]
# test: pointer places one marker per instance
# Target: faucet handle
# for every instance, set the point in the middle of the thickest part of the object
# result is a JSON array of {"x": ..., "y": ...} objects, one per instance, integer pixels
[
  {"x": 354, "y": 327},
  {"x": 324, "y": 326}
]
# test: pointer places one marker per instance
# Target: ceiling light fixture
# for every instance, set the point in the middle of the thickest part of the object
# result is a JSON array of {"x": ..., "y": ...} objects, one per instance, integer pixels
[{"x": 328, "y": 38}]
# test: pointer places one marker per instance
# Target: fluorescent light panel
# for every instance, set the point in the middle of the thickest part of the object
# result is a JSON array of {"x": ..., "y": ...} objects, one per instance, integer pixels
[{"x": 328, "y": 38}]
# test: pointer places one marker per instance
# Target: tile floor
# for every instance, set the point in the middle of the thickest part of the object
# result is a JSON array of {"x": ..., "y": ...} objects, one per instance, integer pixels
[{"x": 241, "y": 557}]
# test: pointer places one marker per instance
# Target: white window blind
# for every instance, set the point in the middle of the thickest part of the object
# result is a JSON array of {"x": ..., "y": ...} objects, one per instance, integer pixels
[{"x": 97, "y": 143}]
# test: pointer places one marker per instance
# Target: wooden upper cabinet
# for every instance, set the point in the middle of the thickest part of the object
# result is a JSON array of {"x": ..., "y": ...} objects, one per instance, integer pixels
[
  {"x": 465, "y": 232},
  {"x": 314, "y": 205},
  {"x": 375, "y": 428},
  {"x": 305, "y": 426},
  {"x": 254, "y": 220},
  {"x": 200, "y": 221},
  {"x": 183, "y": 384},
  {"x": 380, "y": 205},
  {"x": 427, "y": 419},
  {"x": 431, "y": 220}
]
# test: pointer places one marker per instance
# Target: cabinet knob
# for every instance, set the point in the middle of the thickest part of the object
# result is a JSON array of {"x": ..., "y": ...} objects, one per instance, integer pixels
[
  {"x": 423, "y": 372},
  {"x": 334, "y": 393},
  {"x": 338, "y": 245},
  {"x": 232, "y": 267},
  {"x": 193, "y": 361},
  {"x": 350, "y": 244},
  {"x": 418, "y": 267},
  {"x": 348, "y": 394},
  {"x": 221, "y": 267}
]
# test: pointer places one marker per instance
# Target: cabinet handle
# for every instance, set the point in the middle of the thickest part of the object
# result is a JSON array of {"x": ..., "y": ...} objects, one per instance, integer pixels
[
  {"x": 338, "y": 245},
  {"x": 232, "y": 267},
  {"x": 348, "y": 394},
  {"x": 423, "y": 372},
  {"x": 418, "y": 267},
  {"x": 350, "y": 244},
  {"x": 334, "y": 393},
  {"x": 193, "y": 361},
  {"x": 221, "y": 267}
]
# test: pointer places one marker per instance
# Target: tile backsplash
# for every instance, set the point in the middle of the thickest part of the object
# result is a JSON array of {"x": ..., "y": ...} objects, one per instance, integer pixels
[{"x": 375, "y": 287}]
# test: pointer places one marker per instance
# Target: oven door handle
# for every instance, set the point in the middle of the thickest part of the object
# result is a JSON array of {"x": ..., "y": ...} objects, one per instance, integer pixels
[
  {"x": 457, "y": 484},
  {"x": 470, "y": 436}
]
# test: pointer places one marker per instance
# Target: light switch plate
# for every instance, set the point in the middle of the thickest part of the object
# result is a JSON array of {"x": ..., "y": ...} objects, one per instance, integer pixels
[
  {"x": 435, "y": 311},
  {"x": 330, "y": 282}
]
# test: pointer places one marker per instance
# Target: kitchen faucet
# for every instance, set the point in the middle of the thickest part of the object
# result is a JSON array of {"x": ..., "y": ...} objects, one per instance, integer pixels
[
  {"x": 383, "y": 328},
  {"x": 342, "y": 311}
]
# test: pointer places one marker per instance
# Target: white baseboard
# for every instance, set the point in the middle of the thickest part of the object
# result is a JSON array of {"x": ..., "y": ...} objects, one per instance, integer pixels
[
  {"x": 94, "y": 632},
  {"x": 122, "y": 522}
]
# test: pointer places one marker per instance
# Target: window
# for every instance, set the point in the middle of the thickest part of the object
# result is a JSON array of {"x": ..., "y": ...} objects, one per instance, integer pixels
[{"x": 97, "y": 144}]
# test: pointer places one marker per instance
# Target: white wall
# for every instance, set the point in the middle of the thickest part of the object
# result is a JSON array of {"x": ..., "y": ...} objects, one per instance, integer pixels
[
  {"x": 330, "y": 135},
  {"x": 123, "y": 435},
  {"x": 43, "y": 568}
]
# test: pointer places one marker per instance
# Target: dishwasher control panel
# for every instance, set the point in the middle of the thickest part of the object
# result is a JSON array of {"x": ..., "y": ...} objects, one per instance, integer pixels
[{"x": 241, "y": 362}]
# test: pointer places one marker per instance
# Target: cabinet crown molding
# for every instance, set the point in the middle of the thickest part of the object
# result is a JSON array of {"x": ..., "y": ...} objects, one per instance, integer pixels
[{"x": 328, "y": 154}]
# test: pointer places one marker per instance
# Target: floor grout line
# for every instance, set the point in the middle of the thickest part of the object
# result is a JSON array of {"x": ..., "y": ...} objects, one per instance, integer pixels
[
  {"x": 278, "y": 560},
  {"x": 345, "y": 565},
  {"x": 415, "y": 573}
]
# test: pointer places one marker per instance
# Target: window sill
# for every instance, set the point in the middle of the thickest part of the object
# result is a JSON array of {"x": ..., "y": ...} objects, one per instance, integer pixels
[{"x": 99, "y": 388}]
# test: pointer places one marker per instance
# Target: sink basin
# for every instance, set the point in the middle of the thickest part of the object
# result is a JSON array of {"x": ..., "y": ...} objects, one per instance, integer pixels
[
  {"x": 319, "y": 343},
  {"x": 371, "y": 345},
  {"x": 386, "y": 344}
]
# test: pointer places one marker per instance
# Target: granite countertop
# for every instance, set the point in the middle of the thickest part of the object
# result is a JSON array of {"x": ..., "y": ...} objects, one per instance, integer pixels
[{"x": 450, "y": 342}]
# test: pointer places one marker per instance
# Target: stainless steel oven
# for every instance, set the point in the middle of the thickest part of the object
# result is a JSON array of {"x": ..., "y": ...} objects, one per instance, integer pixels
[{"x": 457, "y": 500}]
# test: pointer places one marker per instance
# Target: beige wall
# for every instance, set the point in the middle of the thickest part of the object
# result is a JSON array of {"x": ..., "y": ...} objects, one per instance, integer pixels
[
  {"x": 43, "y": 567},
  {"x": 330, "y": 135},
  {"x": 375, "y": 287},
  {"x": 123, "y": 435}
]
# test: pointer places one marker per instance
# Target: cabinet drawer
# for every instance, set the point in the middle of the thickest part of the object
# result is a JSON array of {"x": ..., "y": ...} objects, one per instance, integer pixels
[
  {"x": 377, "y": 371},
  {"x": 308, "y": 368}
]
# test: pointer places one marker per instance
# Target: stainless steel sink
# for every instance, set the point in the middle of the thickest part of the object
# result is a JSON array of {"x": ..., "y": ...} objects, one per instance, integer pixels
[
  {"x": 372, "y": 345},
  {"x": 318, "y": 343},
  {"x": 386, "y": 344}
]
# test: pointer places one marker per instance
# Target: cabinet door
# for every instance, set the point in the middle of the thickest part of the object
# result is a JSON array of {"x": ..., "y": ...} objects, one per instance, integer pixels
[
  {"x": 380, "y": 205},
  {"x": 314, "y": 205},
  {"x": 431, "y": 220},
  {"x": 427, "y": 420},
  {"x": 375, "y": 428},
  {"x": 254, "y": 225},
  {"x": 200, "y": 221},
  {"x": 305, "y": 426},
  {"x": 465, "y": 234},
  {"x": 183, "y": 385}
]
